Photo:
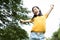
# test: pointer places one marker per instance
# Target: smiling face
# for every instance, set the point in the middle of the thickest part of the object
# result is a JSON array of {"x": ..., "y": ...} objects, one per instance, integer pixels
[{"x": 35, "y": 10}]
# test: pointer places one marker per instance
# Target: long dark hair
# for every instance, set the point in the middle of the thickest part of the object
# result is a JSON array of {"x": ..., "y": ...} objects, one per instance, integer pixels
[{"x": 40, "y": 13}]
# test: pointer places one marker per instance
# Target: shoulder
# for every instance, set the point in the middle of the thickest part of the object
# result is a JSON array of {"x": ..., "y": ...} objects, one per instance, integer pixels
[{"x": 45, "y": 15}]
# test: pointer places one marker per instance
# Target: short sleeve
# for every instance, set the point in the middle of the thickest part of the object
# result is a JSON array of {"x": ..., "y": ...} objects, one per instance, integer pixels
[
  {"x": 32, "y": 20},
  {"x": 46, "y": 15}
]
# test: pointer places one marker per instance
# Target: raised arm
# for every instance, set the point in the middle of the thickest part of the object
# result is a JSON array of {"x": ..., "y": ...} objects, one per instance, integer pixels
[
  {"x": 47, "y": 14},
  {"x": 51, "y": 7}
]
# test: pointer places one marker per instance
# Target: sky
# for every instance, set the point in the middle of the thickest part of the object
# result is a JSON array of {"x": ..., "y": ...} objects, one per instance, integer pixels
[{"x": 52, "y": 22}]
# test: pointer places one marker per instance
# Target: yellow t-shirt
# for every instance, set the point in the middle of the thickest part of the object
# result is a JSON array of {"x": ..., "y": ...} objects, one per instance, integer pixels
[{"x": 39, "y": 23}]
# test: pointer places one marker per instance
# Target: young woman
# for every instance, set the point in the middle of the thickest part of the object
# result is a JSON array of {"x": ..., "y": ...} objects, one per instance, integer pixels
[{"x": 39, "y": 23}]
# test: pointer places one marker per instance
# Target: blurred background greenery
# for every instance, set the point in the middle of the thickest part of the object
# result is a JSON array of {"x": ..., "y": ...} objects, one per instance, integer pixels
[{"x": 11, "y": 11}]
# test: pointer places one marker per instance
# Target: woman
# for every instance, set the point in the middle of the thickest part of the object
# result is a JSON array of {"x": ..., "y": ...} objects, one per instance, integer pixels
[{"x": 39, "y": 23}]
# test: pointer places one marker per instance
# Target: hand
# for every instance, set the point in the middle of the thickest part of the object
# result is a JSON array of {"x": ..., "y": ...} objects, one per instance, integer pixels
[
  {"x": 22, "y": 21},
  {"x": 52, "y": 6}
]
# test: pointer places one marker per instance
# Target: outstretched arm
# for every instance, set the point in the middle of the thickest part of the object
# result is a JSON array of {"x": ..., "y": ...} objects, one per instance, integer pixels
[{"x": 24, "y": 21}]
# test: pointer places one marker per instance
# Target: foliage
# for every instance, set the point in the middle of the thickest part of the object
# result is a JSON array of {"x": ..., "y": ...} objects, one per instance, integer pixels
[
  {"x": 11, "y": 11},
  {"x": 56, "y": 35},
  {"x": 13, "y": 33}
]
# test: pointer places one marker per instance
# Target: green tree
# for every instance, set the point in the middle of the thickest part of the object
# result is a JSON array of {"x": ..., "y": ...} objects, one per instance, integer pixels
[
  {"x": 11, "y": 11},
  {"x": 13, "y": 32},
  {"x": 56, "y": 35}
]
